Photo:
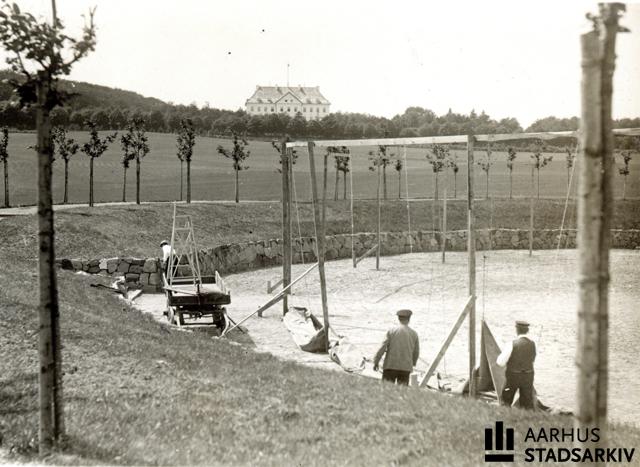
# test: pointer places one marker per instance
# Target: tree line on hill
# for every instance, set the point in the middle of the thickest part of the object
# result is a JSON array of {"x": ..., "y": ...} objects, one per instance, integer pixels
[{"x": 112, "y": 109}]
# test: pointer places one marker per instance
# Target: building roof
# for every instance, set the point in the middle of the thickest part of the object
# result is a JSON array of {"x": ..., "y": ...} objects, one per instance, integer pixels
[{"x": 272, "y": 94}]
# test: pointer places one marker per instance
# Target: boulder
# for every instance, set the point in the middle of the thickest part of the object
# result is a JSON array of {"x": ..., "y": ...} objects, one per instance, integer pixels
[
  {"x": 123, "y": 266},
  {"x": 112, "y": 265},
  {"x": 150, "y": 265},
  {"x": 131, "y": 277},
  {"x": 154, "y": 279},
  {"x": 135, "y": 268}
]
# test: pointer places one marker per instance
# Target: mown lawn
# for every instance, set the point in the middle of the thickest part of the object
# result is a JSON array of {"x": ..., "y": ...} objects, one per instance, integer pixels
[
  {"x": 139, "y": 393},
  {"x": 212, "y": 174}
]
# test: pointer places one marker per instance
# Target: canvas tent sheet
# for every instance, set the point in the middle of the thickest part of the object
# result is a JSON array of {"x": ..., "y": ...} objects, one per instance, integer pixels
[
  {"x": 309, "y": 334},
  {"x": 490, "y": 376}
]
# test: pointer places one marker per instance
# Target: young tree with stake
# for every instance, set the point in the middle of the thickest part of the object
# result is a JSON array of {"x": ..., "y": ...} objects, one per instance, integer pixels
[
  {"x": 455, "y": 168},
  {"x": 66, "y": 148},
  {"x": 382, "y": 159},
  {"x": 95, "y": 148},
  {"x": 570, "y": 158},
  {"x": 37, "y": 52},
  {"x": 293, "y": 155},
  {"x": 438, "y": 158},
  {"x": 398, "y": 166},
  {"x": 341, "y": 161},
  {"x": 511, "y": 157},
  {"x": 624, "y": 171},
  {"x": 186, "y": 141},
  {"x": 486, "y": 168},
  {"x": 128, "y": 155},
  {"x": 539, "y": 161},
  {"x": 4, "y": 156},
  {"x": 137, "y": 139},
  {"x": 238, "y": 154}
]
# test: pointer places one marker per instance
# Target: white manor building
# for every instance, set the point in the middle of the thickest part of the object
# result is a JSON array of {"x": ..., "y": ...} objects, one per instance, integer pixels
[{"x": 289, "y": 100}]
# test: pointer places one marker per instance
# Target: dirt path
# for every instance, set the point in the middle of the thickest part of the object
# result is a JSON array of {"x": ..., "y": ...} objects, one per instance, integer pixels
[{"x": 29, "y": 210}]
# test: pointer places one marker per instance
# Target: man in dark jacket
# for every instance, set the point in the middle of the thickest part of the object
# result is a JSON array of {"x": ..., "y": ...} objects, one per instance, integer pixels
[
  {"x": 518, "y": 356},
  {"x": 402, "y": 351}
]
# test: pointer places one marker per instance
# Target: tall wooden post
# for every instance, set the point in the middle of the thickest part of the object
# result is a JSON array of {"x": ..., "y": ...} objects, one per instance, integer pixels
[
  {"x": 471, "y": 248},
  {"x": 595, "y": 208},
  {"x": 531, "y": 216},
  {"x": 444, "y": 224},
  {"x": 378, "y": 223},
  {"x": 320, "y": 221},
  {"x": 286, "y": 223}
]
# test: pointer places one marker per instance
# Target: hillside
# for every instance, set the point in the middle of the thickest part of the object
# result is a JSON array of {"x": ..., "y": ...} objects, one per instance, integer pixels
[
  {"x": 91, "y": 95},
  {"x": 139, "y": 393}
]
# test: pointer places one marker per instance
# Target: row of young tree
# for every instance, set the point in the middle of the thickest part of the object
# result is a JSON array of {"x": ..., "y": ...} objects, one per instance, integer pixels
[{"x": 134, "y": 146}]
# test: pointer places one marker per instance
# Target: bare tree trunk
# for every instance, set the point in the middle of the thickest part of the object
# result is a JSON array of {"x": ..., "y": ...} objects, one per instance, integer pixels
[
  {"x": 188, "y": 182},
  {"x": 624, "y": 188},
  {"x": 568, "y": 177},
  {"x": 384, "y": 180},
  {"x": 91, "y": 181},
  {"x": 6, "y": 184},
  {"x": 344, "y": 185},
  {"x": 65, "y": 197},
  {"x": 487, "y": 193},
  {"x": 335, "y": 187},
  {"x": 435, "y": 195},
  {"x": 455, "y": 185},
  {"x": 399, "y": 183},
  {"x": 538, "y": 183},
  {"x": 137, "y": 180},
  {"x": 51, "y": 419},
  {"x": 237, "y": 187},
  {"x": 124, "y": 186},
  {"x": 181, "y": 164},
  {"x": 510, "y": 183}
]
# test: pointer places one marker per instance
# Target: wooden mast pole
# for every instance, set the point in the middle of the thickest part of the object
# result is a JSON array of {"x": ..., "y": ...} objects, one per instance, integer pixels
[
  {"x": 320, "y": 221},
  {"x": 595, "y": 208},
  {"x": 378, "y": 223},
  {"x": 444, "y": 224},
  {"x": 471, "y": 248},
  {"x": 531, "y": 215},
  {"x": 286, "y": 223}
]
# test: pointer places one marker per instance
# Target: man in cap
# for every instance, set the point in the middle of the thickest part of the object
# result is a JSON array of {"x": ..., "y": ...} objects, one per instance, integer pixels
[
  {"x": 518, "y": 356},
  {"x": 402, "y": 351}
]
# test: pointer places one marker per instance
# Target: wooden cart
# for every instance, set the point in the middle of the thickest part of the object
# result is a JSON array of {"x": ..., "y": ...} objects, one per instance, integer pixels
[{"x": 190, "y": 295}]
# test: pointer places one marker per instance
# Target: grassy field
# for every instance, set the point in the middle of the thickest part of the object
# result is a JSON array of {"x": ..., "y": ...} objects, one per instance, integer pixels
[
  {"x": 212, "y": 174},
  {"x": 139, "y": 393},
  {"x": 137, "y": 230}
]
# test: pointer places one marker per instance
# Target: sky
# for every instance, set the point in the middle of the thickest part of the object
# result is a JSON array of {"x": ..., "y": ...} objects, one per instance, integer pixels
[{"x": 508, "y": 58}]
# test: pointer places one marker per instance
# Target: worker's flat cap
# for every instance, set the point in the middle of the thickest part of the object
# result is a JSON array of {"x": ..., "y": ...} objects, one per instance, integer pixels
[
  {"x": 522, "y": 324},
  {"x": 164, "y": 242},
  {"x": 404, "y": 313}
]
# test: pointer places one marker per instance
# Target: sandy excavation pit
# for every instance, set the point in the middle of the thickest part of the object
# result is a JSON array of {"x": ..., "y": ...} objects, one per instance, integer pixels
[{"x": 511, "y": 285}]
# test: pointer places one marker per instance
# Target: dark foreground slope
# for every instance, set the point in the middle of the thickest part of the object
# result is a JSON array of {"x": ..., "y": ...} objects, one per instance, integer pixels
[{"x": 139, "y": 393}]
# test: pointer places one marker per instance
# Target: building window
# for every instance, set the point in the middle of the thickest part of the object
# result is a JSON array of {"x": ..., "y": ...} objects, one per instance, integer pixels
[
  {"x": 272, "y": 109},
  {"x": 252, "y": 108},
  {"x": 317, "y": 109},
  {"x": 324, "y": 110},
  {"x": 288, "y": 109}
]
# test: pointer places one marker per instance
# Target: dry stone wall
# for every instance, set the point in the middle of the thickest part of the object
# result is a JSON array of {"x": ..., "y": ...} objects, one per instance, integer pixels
[{"x": 238, "y": 257}]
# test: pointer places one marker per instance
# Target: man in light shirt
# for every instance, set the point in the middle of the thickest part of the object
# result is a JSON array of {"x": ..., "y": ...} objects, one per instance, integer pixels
[
  {"x": 518, "y": 356},
  {"x": 166, "y": 253},
  {"x": 402, "y": 350}
]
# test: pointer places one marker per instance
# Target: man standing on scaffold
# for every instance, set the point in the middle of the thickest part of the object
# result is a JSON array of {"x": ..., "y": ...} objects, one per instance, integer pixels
[
  {"x": 518, "y": 356},
  {"x": 402, "y": 351}
]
